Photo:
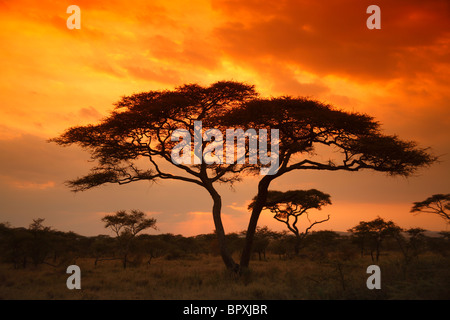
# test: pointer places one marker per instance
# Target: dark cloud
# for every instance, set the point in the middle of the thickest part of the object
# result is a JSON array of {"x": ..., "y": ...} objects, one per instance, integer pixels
[{"x": 331, "y": 37}]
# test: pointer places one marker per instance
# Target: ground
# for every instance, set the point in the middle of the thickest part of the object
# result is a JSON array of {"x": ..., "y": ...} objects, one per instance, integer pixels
[{"x": 204, "y": 277}]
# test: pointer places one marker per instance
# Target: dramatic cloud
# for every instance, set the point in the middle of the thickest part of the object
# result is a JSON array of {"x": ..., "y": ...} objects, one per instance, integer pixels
[
  {"x": 54, "y": 78},
  {"x": 331, "y": 37}
]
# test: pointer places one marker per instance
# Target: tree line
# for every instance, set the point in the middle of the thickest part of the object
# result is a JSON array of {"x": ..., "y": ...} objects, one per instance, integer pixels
[{"x": 38, "y": 244}]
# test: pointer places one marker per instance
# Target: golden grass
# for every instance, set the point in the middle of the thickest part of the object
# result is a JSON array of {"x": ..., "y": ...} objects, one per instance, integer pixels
[{"x": 204, "y": 277}]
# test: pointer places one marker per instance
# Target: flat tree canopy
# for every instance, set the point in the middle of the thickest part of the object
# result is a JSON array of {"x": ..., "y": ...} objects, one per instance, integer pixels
[
  {"x": 288, "y": 206},
  {"x": 126, "y": 226},
  {"x": 438, "y": 204},
  {"x": 305, "y": 124},
  {"x": 141, "y": 127}
]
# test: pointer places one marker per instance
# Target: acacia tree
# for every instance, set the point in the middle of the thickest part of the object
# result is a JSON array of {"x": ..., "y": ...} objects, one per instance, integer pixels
[
  {"x": 352, "y": 141},
  {"x": 290, "y": 205},
  {"x": 438, "y": 204},
  {"x": 141, "y": 128},
  {"x": 411, "y": 245},
  {"x": 126, "y": 226},
  {"x": 372, "y": 233}
]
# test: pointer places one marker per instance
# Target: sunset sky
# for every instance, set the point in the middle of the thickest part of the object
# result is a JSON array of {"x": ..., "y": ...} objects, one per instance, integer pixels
[{"x": 53, "y": 78}]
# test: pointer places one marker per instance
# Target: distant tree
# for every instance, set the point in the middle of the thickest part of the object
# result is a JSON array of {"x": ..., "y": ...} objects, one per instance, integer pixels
[
  {"x": 412, "y": 245},
  {"x": 437, "y": 204},
  {"x": 416, "y": 240},
  {"x": 263, "y": 236},
  {"x": 152, "y": 247},
  {"x": 15, "y": 244},
  {"x": 50, "y": 246},
  {"x": 41, "y": 245},
  {"x": 445, "y": 235},
  {"x": 126, "y": 226},
  {"x": 102, "y": 248},
  {"x": 372, "y": 233},
  {"x": 440, "y": 245},
  {"x": 280, "y": 246},
  {"x": 290, "y": 205},
  {"x": 235, "y": 242},
  {"x": 323, "y": 242}
]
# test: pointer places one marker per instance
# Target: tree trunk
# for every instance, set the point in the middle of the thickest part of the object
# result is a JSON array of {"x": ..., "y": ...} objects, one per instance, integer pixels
[
  {"x": 220, "y": 232},
  {"x": 260, "y": 201}
]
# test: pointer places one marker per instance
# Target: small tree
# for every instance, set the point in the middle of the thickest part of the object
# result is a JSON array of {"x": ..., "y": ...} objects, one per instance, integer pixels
[
  {"x": 280, "y": 245},
  {"x": 438, "y": 204},
  {"x": 152, "y": 247},
  {"x": 373, "y": 233},
  {"x": 40, "y": 246},
  {"x": 290, "y": 205},
  {"x": 102, "y": 247},
  {"x": 126, "y": 226},
  {"x": 15, "y": 244},
  {"x": 413, "y": 244},
  {"x": 263, "y": 235}
]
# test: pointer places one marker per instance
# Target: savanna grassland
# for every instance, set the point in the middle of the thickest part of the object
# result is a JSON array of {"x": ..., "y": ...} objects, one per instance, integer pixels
[{"x": 203, "y": 276}]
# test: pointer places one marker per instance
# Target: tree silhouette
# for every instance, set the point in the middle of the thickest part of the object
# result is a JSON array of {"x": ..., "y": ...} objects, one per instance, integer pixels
[
  {"x": 40, "y": 246},
  {"x": 290, "y": 205},
  {"x": 352, "y": 140},
  {"x": 15, "y": 244},
  {"x": 413, "y": 244},
  {"x": 438, "y": 204},
  {"x": 372, "y": 234},
  {"x": 126, "y": 226},
  {"x": 141, "y": 127},
  {"x": 263, "y": 236}
]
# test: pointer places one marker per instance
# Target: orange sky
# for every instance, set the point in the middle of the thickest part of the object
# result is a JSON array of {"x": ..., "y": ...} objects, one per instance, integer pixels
[{"x": 53, "y": 78}]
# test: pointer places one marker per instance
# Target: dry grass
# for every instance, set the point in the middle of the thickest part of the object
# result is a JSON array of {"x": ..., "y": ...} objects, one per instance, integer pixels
[{"x": 204, "y": 277}]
